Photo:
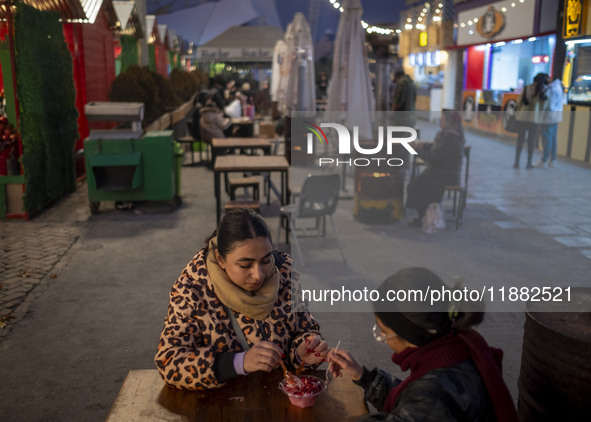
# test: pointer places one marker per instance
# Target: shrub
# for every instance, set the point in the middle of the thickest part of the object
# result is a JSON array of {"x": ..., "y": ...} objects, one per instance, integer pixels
[
  {"x": 183, "y": 84},
  {"x": 136, "y": 84},
  {"x": 168, "y": 98},
  {"x": 201, "y": 78}
]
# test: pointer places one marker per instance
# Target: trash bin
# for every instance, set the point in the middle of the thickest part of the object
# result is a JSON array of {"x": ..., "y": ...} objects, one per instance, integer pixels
[
  {"x": 378, "y": 196},
  {"x": 178, "y": 163},
  {"x": 555, "y": 374}
]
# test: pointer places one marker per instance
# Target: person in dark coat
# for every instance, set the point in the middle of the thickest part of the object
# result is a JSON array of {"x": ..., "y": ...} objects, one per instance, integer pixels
[
  {"x": 444, "y": 157},
  {"x": 404, "y": 100},
  {"x": 454, "y": 374}
]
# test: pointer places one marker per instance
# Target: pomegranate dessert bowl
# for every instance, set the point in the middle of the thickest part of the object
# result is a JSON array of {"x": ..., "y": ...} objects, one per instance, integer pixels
[{"x": 306, "y": 395}]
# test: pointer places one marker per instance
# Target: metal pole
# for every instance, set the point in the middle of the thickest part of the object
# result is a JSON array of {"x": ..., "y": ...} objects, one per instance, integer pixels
[{"x": 302, "y": 102}]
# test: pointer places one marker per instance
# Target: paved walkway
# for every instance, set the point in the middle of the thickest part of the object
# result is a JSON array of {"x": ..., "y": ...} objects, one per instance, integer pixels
[{"x": 82, "y": 297}]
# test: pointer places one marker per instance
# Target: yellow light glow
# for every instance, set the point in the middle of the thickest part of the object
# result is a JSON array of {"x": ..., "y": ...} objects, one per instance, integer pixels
[{"x": 423, "y": 39}]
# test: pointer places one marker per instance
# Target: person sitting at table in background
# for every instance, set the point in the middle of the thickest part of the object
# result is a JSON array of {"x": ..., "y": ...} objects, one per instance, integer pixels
[
  {"x": 230, "y": 312},
  {"x": 212, "y": 123},
  {"x": 234, "y": 107},
  {"x": 444, "y": 157},
  {"x": 454, "y": 374},
  {"x": 218, "y": 91}
]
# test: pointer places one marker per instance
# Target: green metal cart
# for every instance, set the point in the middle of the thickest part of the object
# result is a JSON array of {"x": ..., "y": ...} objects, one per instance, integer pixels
[{"x": 125, "y": 167}]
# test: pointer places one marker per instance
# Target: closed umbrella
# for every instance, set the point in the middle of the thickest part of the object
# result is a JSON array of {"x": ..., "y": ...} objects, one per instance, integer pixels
[
  {"x": 297, "y": 85},
  {"x": 279, "y": 53},
  {"x": 350, "y": 98}
]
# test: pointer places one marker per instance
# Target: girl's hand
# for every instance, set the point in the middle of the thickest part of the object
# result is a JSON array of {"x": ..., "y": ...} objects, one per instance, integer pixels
[
  {"x": 343, "y": 359},
  {"x": 313, "y": 350},
  {"x": 263, "y": 356}
]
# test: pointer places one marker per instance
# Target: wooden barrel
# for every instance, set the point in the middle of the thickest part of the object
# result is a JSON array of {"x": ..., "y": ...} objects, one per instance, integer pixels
[{"x": 555, "y": 376}]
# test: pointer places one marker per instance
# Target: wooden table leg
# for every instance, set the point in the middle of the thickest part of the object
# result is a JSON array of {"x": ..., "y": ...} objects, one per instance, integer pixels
[{"x": 218, "y": 196}]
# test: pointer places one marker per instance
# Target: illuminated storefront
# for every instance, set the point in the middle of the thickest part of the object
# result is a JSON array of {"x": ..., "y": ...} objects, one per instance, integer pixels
[
  {"x": 574, "y": 133},
  {"x": 427, "y": 28},
  {"x": 505, "y": 43}
]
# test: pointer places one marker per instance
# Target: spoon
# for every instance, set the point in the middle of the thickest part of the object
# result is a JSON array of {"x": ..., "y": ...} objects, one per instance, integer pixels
[{"x": 291, "y": 378}]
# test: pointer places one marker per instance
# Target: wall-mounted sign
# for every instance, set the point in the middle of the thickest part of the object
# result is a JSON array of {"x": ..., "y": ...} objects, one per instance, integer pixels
[
  {"x": 423, "y": 39},
  {"x": 232, "y": 54},
  {"x": 573, "y": 18},
  {"x": 491, "y": 23}
]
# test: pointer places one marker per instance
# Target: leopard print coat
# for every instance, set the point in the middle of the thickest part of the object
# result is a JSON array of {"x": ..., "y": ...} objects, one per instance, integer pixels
[{"x": 197, "y": 327}]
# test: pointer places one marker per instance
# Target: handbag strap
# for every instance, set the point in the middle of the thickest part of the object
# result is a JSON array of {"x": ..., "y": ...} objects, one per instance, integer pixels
[{"x": 237, "y": 328}]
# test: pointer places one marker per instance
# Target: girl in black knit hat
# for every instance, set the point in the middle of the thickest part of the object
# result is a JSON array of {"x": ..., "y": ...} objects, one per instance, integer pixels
[{"x": 454, "y": 374}]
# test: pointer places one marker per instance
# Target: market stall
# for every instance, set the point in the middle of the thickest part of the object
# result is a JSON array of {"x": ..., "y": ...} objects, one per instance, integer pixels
[{"x": 39, "y": 103}]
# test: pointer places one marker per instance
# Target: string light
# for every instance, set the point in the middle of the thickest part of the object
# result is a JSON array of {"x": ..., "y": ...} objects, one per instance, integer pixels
[{"x": 364, "y": 25}]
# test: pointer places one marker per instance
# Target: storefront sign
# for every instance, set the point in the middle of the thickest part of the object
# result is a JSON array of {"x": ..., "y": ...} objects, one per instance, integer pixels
[
  {"x": 491, "y": 23},
  {"x": 501, "y": 20},
  {"x": 235, "y": 54},
  {"x": 573, "y": 18}
]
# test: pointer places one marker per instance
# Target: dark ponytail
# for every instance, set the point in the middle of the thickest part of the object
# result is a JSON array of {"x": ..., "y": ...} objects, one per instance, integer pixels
[{"x": 237, "y": 226}]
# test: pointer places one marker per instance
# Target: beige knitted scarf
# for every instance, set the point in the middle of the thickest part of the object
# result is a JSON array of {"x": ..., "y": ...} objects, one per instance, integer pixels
[{"x": 256, "y": 304}]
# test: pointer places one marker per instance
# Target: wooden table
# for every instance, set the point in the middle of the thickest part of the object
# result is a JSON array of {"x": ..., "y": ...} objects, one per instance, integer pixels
[
  {"x": 242, "y": 126},
  {"x": 145, "y": 397},
  {"x": 240, "y": 163},
  {"x": 220, "y": 144}
]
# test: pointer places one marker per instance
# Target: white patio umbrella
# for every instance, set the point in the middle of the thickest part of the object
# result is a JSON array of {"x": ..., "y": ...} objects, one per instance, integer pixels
[
  {"x": 279, "y": 53},
  {"x": 350, "y": 97},
  {"x": 297, "y": 85}
]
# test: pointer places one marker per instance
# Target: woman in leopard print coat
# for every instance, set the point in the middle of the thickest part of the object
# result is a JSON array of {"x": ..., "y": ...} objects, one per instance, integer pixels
[{"x": 238, "y": 272}]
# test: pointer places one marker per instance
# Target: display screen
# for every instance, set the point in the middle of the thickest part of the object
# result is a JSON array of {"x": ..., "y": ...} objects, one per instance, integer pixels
[{"x": 578, "y": 62}]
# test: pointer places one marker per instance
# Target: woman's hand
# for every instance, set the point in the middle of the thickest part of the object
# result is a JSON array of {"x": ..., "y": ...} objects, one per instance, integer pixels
[
  {"x": 313, "y": 350},
  {"x": 343, "y": 359},
  {"x": 263, "y": 356}
]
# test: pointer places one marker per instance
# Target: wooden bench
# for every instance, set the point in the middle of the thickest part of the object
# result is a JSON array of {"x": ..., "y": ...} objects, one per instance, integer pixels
[
  {"x": 244, "y": 182},
  {"x": 184, "y": 140}
]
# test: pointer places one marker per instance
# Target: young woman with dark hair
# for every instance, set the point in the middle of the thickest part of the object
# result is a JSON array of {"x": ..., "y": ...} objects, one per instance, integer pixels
[
  {"x": 454, "y": 374},
  {"x": 230, "y": 312}
]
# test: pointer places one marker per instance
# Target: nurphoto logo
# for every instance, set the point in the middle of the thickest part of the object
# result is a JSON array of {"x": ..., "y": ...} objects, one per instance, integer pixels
[{"x": 387, "y": 136}]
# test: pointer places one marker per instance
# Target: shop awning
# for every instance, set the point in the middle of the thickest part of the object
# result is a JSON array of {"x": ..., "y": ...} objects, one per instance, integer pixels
[
  {"x": 241, "y": 44},
  {"x": 128, "y": 17},
  {"x": 71, "y": 10}
]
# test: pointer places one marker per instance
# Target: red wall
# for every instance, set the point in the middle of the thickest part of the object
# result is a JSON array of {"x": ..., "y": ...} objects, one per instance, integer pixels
[
  {"x": 162, "y": 60},
  {"x": 474, "y": 71},
  {"x": 92, "y": 47}
]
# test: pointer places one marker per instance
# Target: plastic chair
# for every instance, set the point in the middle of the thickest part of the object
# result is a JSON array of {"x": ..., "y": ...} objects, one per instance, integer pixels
[{"x": 318, "y": 199}]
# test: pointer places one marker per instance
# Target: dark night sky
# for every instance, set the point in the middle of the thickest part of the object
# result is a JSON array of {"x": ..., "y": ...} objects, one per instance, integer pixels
[{"x": 375, "y": 12}]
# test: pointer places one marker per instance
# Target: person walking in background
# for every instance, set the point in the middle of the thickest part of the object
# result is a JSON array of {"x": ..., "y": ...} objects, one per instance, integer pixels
[
  {"x": 404, "y": 100},
  {"x": 552, "y": 116},
  {"x": 529, "y": 115}
]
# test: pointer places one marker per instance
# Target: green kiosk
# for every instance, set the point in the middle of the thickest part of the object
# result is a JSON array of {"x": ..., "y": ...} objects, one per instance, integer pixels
[{"x": 124, "y": 165}]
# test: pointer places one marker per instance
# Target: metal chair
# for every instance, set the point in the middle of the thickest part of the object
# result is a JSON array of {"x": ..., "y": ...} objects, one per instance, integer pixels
[
  {"x": 459, "y": 192},
  {"x": 318, "y": 199}
]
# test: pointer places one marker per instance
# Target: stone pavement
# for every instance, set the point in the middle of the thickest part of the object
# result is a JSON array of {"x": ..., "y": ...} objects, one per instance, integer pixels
[{"x": 83, "y": 296}]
